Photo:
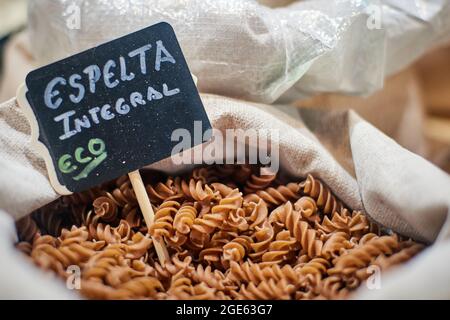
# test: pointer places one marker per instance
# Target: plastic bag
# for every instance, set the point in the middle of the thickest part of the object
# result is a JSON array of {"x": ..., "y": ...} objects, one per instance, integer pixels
[{"x": 247, "y": 49}]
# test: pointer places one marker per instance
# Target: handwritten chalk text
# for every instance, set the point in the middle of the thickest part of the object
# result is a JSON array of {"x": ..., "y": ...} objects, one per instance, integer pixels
[
  {"x": 90, "y": 78},
  {"x": 97, "y": 154},
  {"x": 73, "y": 125}
]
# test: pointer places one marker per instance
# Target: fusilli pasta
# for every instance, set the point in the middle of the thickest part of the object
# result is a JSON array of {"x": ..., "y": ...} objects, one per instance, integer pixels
[{"x": 231, "y": 233}]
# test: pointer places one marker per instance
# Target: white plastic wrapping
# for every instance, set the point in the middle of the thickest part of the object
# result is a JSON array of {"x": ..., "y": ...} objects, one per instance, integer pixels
[{"x": 259, "y": 50}]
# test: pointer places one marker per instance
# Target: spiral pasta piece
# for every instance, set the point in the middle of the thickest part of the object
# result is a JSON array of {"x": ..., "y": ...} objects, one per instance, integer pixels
[
  {"x": 255, "y": 183},
  {"x": 182, "y": 288},
  {"x": 108, "y": 234},
  {"x": 387, "y": 262},
  {"x": 258, "y": 213},
  {"x": 124, "y": 193},
  {"x": 334, "y": 288},
  {"x": 213, "y": 278},
  {"x": 140, "y": 287},
  {"x": 299, "y": 229},
  {"x": 354, "y": 224},
  {"x": 105, "y": 208},
  {"x": 326, "y": 201},
  {"x": 177, "y": 265},
  {"x": 237, "y": 249},
  {"x": 262, "y": 238},
  {"x": 267, "y": 290},
  {"x": 280, "y": 249},
  {"x": 336, "y": 245},
  {"x": 194, "y": 190},
  {"x": 182, "y": 223},
  {"x": 361, "y": 256},
  {"x": 162, "y": 227},
  {"x": 49, "y": 222},
  {"x": 274, "y": 197},
  {"x": 256, "y": 273},
  {"x": 315, "y": 267},
  {"x": 204, "y": 226}
]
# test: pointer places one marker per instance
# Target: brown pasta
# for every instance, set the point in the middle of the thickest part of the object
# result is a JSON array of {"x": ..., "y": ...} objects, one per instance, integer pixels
[
  {"x": 275, "y": 196},
  {"x": 231, "y": 233},
  {"x": 354, "y": 224},
  {"x": 105, "y": 208},
  {"x": 298, "y": 228},
  {"x": 322, "y": 194},
  {"x": 258, "y": 182},
  {"x": 164, "y": 216},
  {"x": 362, "y": 255},
  {"x": 256, "y": 273}
]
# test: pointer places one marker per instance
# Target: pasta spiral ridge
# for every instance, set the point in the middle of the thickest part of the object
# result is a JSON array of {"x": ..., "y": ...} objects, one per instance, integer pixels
[
  {"x": 361, "y": 256},
  {"x": 326, "y": 201},
  {"x": 298, "y": 228}
]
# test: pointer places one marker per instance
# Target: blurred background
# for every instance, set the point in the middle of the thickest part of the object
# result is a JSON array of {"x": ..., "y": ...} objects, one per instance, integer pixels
[{"x": 413, "y": 107}]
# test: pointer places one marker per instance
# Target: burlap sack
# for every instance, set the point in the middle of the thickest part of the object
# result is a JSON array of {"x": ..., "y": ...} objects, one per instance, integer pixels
[{"x": 366, "y": 169}]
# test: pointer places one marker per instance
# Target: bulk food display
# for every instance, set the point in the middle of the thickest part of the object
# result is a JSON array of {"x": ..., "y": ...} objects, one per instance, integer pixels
[
  {"x": 231, "y": 234},
  {"x": 221, "y": 150}
]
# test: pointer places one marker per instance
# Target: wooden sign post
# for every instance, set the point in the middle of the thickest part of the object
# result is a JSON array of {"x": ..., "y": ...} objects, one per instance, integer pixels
[
  {"x": 112, "y": 110},
  {"x": 147, "y": 212}
]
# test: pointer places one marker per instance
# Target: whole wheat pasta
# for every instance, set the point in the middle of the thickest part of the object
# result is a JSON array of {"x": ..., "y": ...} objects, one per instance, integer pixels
[
  {"x": 298, "y": 228},
  {"x": 322, "y": 194},
  {"x": 105, "y": 208},
  {"x": 258, "y": 182},
  {"x": 231, "y": 234}
]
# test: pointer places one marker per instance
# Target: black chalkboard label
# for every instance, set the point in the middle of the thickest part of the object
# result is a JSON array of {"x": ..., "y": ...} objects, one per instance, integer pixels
[{"x": 112, "y": 109}]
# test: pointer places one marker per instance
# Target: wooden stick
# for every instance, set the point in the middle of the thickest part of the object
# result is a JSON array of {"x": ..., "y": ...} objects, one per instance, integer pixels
[{"x": 147, "y": 212}]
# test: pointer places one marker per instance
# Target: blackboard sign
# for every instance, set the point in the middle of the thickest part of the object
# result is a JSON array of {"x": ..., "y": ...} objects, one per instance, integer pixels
[{"x": 112, "y": 109}]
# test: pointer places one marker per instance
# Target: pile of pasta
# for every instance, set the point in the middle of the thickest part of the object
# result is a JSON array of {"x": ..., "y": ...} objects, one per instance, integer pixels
[{"x": 231, "y": 233}]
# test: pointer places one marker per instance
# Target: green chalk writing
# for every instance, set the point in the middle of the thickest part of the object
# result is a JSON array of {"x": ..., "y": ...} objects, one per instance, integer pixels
[
  {"x": 79, "y": 157},
  {"x": 91, "y": 166},
  {"x": 97, "y": 154},
  {"x": 65, "y": 165}
]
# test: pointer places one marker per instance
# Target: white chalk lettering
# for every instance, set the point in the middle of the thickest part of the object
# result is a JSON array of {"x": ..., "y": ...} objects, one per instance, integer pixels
[
  {"x": 141, "y": 52},
  {"x": 66, "y": 124},
  {"x": 136, "y": 98},
  {"x": 123, "y": 71},
  {"x": 121, "y": 107},
  {"x": 94, "y": 75},
  {"x": 107, "y": 74},
  {"x": 72, "y": 82},
  {"x": 168, "y": 92},
  {"x": 112, "y": 72},
  {"x": 106, "y": 113},
  {"x": 93, "y": 112},
  {"x": 82, "y": 123},
  {"x": 160, "y": 49},
  {"x": 153, "y": 94},
  {"x": 51, "y": 93}
]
